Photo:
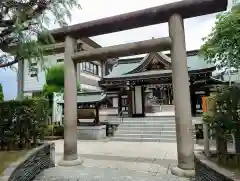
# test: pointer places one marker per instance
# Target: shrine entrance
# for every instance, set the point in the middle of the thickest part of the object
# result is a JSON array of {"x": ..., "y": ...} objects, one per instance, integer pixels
[
  {"x": 147, "y": 87},
  {"x": 180, "y": 75}
]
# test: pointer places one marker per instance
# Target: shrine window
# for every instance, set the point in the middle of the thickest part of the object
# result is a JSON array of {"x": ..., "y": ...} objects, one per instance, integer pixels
[{"x": 90, "y": 67}]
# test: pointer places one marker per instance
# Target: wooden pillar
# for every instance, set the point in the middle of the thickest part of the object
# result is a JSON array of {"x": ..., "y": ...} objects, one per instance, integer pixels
[
  {"x": 70, "y": 156},
  {"x": 133, "y": 101},
  {"x": 193, "y": 102},
  {"x": 183, "y": 116},
  {"x": 130, "y": 107},
  {"x": 97, "y": 115},
  {"x": 143, "y": 101},
  {"x": 119, "y": 103}
]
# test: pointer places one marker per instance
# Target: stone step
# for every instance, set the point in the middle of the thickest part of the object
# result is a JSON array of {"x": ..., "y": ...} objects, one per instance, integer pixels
[
  {"x": 159, "y": 136},
  {"x": 143, "y": 139},
  {"x": 158, "y": 118},
  {"x": 148, "y": 123},
  {"x": 145, "y": 118},
  {"x": 159, "y": 132},
  {"x": 147, "y": 128},
  {"x": 144, "y": 121}
]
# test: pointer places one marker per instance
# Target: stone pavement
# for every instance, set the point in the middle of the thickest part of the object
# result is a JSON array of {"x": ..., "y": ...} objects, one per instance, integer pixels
[
  {"x": 81, "y": 173},
  {"x": 109, "y": 160}
]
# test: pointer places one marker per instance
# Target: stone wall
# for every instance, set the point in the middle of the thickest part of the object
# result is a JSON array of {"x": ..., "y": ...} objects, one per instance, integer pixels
[
  {"x": 91, "y": 132},
  {"x": 207, "y": 170},
  {"x": 28, "y": 167}
]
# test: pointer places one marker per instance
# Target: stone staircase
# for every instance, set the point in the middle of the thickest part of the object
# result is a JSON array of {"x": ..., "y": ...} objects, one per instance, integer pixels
[{"x": 147, "y": 129}]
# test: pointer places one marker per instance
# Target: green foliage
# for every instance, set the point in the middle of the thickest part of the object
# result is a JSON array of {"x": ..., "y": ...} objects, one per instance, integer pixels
[
  {"x": 55, "y": 81},
  {"x": 228, "y": 104},
  {"x": 53, "y": 130},
  {"x": 223, "y": 43},
  {"x": 21, "y": 122},
  {"x": 1, "y": 93},
  {"x": 55, "y": 75},
  {"x": 23, "y": 22},
  {"x": 226, "y": 115}
]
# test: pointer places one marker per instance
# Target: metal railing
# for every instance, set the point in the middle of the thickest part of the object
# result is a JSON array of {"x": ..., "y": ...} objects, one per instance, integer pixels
[{"x": 120, "y": 114}]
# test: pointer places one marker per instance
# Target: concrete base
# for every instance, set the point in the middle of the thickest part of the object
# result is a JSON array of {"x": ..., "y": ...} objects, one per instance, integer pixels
[
  {"x": 182, "y": 173},
  {"x": 91, "y": 132},
  {"x": 67, "y": 163}
]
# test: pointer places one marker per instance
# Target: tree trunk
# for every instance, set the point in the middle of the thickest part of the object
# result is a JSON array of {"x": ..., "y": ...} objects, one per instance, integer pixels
[{"x": 20, "y": 79}]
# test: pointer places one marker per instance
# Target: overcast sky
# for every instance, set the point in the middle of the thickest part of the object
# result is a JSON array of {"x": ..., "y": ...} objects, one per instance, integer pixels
[{"x": 195, "y": 29}]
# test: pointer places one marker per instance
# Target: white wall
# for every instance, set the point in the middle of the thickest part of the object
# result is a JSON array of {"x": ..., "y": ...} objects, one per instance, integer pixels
[{"x": 36, "y": 83}]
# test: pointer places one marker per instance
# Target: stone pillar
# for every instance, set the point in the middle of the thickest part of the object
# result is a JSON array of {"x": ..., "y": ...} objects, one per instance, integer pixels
[
  {"x": 206, "y": 139},
  {"x": 183, "y": 116},
  {"x": 70, "y": 157}
]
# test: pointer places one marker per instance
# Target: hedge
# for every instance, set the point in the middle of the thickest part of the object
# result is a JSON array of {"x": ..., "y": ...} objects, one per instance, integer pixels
[
  {"x": 20, "y": 123},
  {"x": 1, "y": 93}
]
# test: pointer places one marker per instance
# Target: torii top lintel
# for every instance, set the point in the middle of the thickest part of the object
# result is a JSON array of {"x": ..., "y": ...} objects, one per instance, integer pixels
[{"x": 145, "y": 17}]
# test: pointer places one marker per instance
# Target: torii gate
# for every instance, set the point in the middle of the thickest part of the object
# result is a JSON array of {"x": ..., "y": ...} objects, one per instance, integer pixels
[{"x": 174, "y": 14}]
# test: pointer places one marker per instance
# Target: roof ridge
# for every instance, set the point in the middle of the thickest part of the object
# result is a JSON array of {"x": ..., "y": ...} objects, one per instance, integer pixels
[{"x": 130, "y": 60}]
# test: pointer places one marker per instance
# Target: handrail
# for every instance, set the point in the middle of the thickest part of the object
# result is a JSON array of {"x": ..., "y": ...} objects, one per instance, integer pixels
[{"x": 120, "y": 114}]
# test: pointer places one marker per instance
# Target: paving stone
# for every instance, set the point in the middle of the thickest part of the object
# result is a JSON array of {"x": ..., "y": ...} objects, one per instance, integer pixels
[
  {"x": 100, "y": 174},
  {"x": 154, "y": 168}
]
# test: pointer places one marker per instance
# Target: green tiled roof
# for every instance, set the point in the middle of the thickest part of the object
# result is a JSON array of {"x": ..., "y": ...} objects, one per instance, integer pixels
[
  {"x": 124, "y": 66},
  {"x": 90, "y": 97},
  {"x": 121, "y": 69},
  {"x": 146, "y": 73}
]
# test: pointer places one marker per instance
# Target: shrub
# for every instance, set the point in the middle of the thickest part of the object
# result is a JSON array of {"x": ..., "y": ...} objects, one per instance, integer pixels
[
  {"x": 21, "y": 122},
  {"x": 58, "y": 130},
  {"x": 53, "y": 130}
]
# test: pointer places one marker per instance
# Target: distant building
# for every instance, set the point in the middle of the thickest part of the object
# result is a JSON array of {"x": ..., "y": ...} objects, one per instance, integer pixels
[{"x": 88, "y": 73}]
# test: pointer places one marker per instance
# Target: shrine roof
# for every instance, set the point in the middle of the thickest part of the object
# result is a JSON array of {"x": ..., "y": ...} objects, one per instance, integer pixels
[
  {"x": 89, "y": 97},
  {"x": 135, "y": 67}
]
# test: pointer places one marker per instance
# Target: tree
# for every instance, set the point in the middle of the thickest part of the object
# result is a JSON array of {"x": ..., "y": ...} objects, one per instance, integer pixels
[
  {"x": 223, "y": 115},
  {"x": 1, "y": 93},
  {"x": 222, "y": 45},
  {"x": 23, "y": 21},
  {"x": 54, "y": 81}
]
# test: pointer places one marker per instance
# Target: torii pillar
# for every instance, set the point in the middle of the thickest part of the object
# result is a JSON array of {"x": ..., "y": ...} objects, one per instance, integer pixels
[
  {"x": 181, "y": 92},
  {"x": 70, "y": 157}
]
